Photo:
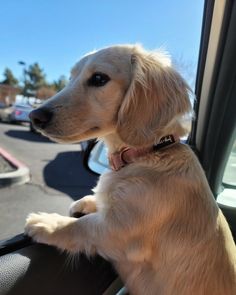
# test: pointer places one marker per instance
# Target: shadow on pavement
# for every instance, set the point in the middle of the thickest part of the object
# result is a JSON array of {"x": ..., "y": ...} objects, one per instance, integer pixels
[
  {"x": 27, "y": 135},
  {"x": 67, "y": 174}
]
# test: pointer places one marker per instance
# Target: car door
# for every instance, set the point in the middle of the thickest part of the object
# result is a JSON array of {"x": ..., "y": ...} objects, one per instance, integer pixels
[
  {"x": 214, "y": 129},
  {"x": 30, "y": 268}
]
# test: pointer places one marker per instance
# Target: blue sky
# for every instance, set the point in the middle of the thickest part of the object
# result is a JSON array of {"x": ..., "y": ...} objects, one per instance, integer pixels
[{"x": 56, "y": 33}]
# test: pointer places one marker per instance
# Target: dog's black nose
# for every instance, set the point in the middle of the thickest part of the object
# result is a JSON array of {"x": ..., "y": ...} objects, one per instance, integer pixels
[{"x": 41, "y": 117}]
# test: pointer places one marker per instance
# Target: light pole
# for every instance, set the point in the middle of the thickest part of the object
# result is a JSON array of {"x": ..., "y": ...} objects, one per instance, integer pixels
[{"x": 22, "y": 63}]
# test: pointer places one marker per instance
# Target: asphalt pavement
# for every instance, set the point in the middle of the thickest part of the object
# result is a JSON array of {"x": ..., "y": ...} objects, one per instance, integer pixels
[{"x": 57, "y": 177}]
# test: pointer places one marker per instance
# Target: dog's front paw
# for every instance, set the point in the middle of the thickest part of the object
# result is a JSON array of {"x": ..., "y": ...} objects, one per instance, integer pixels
[
  {"x": 46, "y": 228},
  {"x": 83, "y": 206}
]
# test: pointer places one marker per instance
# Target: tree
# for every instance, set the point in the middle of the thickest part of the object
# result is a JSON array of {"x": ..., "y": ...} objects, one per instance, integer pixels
[
  {"x": 9, "y": 78},
  {"x": 45, "y": 92},
  {"x": 60, "y": 83},
  {"x": 49, "y": 90},
  {"x": 34, "y": 80}
]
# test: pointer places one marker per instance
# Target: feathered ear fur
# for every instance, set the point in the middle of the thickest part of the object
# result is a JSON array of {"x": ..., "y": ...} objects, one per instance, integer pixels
[{"x": 155, "y": 101}]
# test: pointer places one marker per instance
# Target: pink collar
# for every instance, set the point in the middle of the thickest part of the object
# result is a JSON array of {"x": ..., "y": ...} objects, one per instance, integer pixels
[{"x": 128, "y": 155}]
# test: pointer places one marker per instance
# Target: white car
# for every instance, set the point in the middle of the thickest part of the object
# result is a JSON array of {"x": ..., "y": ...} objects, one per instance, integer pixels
[{"x": 21, "y": 113}]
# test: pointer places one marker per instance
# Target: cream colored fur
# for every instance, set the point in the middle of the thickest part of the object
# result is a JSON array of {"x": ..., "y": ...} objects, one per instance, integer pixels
[{"x": 155, "y": 219}]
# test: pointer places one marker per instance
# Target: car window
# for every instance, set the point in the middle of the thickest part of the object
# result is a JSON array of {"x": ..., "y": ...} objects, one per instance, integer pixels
[
  {"x": 228, "y": 195},
  {"x": 230, "y": 170},
  {"x": 41, "y": 41}
]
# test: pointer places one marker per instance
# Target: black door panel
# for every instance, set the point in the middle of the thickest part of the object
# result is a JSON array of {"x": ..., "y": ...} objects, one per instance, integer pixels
[{"x": 40, "y": 269}]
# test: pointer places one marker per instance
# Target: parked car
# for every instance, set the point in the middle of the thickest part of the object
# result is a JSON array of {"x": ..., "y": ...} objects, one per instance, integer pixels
[
  {"x": 21, "y": 112},
  {"x": 5, "y": 113}
]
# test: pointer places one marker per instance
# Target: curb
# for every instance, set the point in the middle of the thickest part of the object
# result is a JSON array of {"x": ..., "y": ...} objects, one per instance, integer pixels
[{"x": 20, "y": 176}]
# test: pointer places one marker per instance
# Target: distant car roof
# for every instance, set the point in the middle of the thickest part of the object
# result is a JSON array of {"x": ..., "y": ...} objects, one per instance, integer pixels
[{"x": 22, "y": 106}]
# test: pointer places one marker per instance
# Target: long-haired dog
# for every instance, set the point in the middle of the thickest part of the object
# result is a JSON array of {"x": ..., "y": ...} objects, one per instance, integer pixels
[{"x": 153, "y": 216}]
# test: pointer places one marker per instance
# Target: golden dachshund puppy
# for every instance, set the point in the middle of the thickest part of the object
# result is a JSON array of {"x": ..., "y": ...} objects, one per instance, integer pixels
[{"x": 153, "y": 216}]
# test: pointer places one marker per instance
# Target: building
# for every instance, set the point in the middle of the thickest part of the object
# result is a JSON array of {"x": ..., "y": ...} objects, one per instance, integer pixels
[{"x": 8, "y": 94}]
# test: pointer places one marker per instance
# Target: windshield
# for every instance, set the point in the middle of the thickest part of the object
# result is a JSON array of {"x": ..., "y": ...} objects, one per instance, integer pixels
[{"x": 40, "y": 43}]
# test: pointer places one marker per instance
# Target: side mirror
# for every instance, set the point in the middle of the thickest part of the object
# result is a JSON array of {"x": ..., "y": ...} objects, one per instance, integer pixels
[{"x": 95, "y": 157}]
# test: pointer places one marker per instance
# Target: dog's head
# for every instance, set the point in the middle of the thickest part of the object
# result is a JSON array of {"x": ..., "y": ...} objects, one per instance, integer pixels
[{"x": 120, "y": 89}]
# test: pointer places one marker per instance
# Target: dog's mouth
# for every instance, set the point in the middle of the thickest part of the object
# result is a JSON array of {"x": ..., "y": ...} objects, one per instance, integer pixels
[{"x": 73, "y": 137}]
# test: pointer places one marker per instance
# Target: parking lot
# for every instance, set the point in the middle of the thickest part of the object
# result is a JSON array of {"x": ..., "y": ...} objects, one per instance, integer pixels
[{"x": 57, "y": 177}]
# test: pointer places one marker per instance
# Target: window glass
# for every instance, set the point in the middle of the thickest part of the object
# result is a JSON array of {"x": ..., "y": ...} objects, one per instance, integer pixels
[
  {"x": 228, "y": 196},
  {"x": 230, "y": 170}
]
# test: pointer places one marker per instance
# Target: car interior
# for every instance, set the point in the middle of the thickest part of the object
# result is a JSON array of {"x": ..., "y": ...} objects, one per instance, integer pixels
[{"x": 30, "y": 268}]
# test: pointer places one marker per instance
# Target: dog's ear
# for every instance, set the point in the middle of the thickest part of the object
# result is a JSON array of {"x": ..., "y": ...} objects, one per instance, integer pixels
[{"x": 156, "y": 96}]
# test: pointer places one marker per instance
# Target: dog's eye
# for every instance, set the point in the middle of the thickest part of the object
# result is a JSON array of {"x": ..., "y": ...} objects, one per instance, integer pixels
[{"x": 98, "y": 80}]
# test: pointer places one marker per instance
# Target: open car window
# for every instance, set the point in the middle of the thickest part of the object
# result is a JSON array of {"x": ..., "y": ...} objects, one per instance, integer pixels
[{"x": 56, "y": 176}]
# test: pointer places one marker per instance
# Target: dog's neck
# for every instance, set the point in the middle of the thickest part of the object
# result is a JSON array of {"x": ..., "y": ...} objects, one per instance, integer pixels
[
  {"x": 120, "y": 155},
  {"x": 113, "y": 143},
  {"x": 177, "y": 127}
]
